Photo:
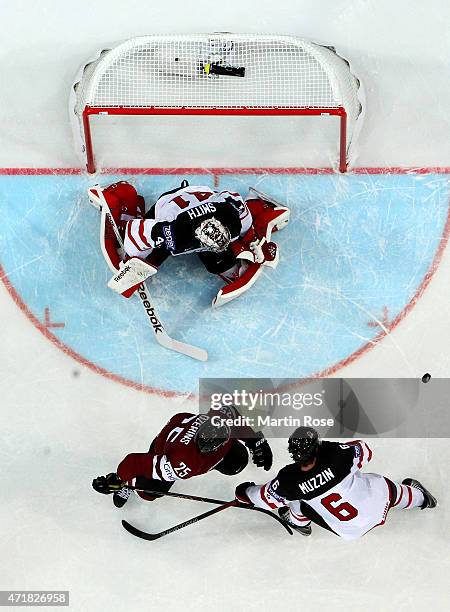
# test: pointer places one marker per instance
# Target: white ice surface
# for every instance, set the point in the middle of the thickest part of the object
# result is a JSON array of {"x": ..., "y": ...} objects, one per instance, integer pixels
[{"x": 60, "y": 430}]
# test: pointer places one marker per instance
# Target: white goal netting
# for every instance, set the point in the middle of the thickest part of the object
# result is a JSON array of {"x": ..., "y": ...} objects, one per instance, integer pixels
[{"x": 217, "y": 73}]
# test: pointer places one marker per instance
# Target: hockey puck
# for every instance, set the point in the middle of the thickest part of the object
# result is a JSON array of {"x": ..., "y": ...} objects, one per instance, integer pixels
[{"x": 426, "y": 378}]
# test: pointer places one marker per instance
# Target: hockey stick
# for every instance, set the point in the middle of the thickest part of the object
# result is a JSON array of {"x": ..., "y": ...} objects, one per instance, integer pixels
[
  {"x": 162, "y": 337},
  {"x": 154, "y": 536},
  {"x": 208, "y": 500},
  {"x": 265, "y": 197}
]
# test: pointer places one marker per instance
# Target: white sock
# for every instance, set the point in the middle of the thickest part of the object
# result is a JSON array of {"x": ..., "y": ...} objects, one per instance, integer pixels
[
  {"x": 407, "y": 497},
  {"x": 298, "y": 519}
]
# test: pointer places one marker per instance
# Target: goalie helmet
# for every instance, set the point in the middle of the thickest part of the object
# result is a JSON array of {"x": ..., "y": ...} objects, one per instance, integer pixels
[
  {"x": 304, "y": 444},
  {"x": 210, "y": 437},
  {"x": 213, "y": 235}
]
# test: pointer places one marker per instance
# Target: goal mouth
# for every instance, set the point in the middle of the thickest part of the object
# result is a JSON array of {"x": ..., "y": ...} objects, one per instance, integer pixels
[{"x": 226, "y": 75}]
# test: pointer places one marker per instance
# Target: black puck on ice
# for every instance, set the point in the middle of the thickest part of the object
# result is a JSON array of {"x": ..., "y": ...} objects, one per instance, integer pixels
[{"x": 426, "y": 378}]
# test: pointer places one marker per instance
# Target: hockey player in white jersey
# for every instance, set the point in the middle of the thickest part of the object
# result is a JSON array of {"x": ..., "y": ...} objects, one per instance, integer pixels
[
  {"x": 232, "y": 237},
  {"x": 325, "y": 486}
]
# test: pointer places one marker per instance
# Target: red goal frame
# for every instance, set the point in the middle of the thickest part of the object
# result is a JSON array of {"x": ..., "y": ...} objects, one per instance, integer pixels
[{"x": 243, "y": 111}]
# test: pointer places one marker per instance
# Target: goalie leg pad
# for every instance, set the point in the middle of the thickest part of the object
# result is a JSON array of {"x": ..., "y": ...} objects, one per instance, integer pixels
[
  {"x": 109, "y": 244},
  {"x": 268, "y": 218},
  {"x": 123, "y": 200},
  {"x": 124, "y": 204},
  {"x": 239, "y": 286}
]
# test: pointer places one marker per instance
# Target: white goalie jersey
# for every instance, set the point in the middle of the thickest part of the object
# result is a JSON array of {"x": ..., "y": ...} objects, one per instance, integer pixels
[
  {"x": 178, "y": 214},
  {"x": 347, "y": 500}
]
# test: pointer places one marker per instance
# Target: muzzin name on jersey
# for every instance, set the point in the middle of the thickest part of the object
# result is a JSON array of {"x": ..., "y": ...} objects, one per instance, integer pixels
[
  {"x": 316, "y": 481},
  {"x": 268, "y": 421}
]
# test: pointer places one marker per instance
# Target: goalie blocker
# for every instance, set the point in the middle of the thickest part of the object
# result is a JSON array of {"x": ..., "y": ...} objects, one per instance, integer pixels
[
  {"x": 131, "y": 274},
  {"x": 230, "y": 236}
]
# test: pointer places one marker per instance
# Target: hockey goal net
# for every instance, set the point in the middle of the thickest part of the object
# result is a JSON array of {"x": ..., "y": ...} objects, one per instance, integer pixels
[{"x": 216, "y": 74}]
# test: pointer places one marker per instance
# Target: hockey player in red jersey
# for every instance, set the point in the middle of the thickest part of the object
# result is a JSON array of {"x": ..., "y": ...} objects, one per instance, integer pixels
[
  {"x": 189, "y": 445},
  {"x": 232, "y": 237},
  {"x": 325, "y": 486}
]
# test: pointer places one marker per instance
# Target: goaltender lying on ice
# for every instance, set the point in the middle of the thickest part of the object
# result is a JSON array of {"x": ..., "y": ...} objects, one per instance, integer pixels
[{"x": 232, "y": 237}]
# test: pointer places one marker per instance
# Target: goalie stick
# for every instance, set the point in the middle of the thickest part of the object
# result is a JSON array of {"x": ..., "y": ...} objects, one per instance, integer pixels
[
  {"x": 222, "y": 506},
  {"x": 264, "y": 196},
  {"x": 162, "y": 337}
]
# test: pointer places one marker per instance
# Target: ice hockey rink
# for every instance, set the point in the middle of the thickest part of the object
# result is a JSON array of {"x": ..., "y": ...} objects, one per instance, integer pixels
[{"x": 361, "y": 290}]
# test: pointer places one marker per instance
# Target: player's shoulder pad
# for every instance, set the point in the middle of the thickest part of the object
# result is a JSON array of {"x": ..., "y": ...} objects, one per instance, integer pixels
[
  {"x": 327, "y": 446},
  {"x": 179, "y": 416},
  {"x": 284, "y": 485},
  {"x": 288, "y": 473},
  {"x": 228, "y": 412},
  {"x": 235, "y": 200},
  {"x": 353, "y": 445},
  {"x": 328, "y": 450},
  {"x": 361, "y": 450}
]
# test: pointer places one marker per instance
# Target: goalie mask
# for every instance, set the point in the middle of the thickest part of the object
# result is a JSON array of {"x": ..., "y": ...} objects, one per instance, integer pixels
[{"x": 213, "y": 235}]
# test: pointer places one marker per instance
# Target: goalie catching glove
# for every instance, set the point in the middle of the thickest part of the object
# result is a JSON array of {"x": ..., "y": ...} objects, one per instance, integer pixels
[
  {"x": 255, "y": 250},
  {"x": 108, "y": 484}
]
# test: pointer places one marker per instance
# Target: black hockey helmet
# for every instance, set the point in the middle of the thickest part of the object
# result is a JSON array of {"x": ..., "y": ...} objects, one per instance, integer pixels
[
  {"x": 210, "y": 437},
  {"x": 304, "y": 444}
]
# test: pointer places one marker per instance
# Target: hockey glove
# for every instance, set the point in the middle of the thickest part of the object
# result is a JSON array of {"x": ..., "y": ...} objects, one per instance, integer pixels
[
  {"x": 108, "y": 484},
  {"x": 241, "y": 495},
  {"x": 260, "y": 451}
]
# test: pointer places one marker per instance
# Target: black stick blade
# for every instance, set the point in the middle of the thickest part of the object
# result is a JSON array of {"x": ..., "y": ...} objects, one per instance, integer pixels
[
  {"x": 138, "y": 533},
  {"x": 277, "y": 518}
]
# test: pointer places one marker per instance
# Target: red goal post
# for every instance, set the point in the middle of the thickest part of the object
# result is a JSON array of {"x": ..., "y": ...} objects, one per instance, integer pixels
[{"x": 216, "y": 74}]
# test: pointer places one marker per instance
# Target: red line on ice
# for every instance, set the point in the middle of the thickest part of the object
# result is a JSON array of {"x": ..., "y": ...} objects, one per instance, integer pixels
[
  {"x": 220, "y": 171},
  {"x": 48, "y": 324},
  {"x": 385, "y": 321}
]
